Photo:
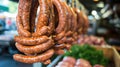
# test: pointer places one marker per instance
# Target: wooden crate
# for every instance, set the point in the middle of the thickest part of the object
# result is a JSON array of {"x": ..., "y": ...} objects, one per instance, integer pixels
[
  {"x": 116, "y": 57},
  {"x": 111, "y": 53}
]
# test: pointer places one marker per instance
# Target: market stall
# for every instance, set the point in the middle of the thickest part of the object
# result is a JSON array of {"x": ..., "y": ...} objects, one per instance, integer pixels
[{"x": 67, "y": 33}]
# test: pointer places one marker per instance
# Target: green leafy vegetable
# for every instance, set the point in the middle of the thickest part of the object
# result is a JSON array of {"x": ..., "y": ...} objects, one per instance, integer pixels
[{"x": 89, "y": 53}]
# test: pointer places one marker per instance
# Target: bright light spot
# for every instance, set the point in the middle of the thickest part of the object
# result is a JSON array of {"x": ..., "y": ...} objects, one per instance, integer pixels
[
  {"x": 100, "y": 4},
  {"x": 94, "y": 12},
  {"x": 5, "y": 2},
  {"x": 96, "y": 0}
]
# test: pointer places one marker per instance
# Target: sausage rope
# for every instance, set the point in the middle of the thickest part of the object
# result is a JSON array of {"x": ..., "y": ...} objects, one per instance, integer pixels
[{"x": 55, "y": 28}]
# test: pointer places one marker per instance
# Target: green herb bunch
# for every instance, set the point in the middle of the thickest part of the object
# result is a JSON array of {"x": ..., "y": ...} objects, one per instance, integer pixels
[{"x": 89, "y": 53}]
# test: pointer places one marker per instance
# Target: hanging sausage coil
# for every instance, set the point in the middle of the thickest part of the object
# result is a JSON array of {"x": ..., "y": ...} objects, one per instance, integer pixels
[
  {"x": 36, "y": 45},
  {"x": 56, "y": 28}
]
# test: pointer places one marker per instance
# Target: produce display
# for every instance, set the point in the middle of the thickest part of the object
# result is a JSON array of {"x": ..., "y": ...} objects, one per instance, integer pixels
[
  {"x": 90, "y": 39},
  {"x": 88, "y": 53},
  {"x": 54, "y": 28}
]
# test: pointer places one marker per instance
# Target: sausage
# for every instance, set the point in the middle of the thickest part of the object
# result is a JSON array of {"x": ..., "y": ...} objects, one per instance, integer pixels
[
  {"x": 70, "y": 40},
  {"x": 66, "y": 28},
  {"x": 74, "y": 21},
  {"x": 26, "y": 14},
  {"x": 52, "y": 18},
  {"x": 31, "y": 40},
  {"x": 60, "y": 36},
  {"x": 47, "y": 62},
  {"x": 62, "y": 18},
  {"x": 43, "y": 31},
  {"x": 63, "y": 40},
  {"x": 86, "y": 23},
  {"x": 42, "y": 17},
  {"x": 35, "y": 49},
  {"x": 68, "y": 46},
  {"x": 59, "y": 51},
  {"x": 32, "y": 59},
  {"x": 66, "y": 40},
  {"x": 79, "y": 25},
  {"x": 81, "y": 20},
  {"x": 21, "y": 30},
  {"x": 61, "y": 46},
  {"x": 33, "y": 14},
  {"x": 69, "y": 34},
  {"x": 70, "y": 17},
  {"x": 20, "y": 5},
  {"x": 68, "y": 14}
]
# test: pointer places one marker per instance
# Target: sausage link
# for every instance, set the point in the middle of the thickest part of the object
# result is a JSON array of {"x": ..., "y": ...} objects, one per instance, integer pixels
[
  {"x": 59, "y": 51},
  {"x": 78, "y": 18},
  {"x": 62, "y": 17},
  {"x": 67, "y": 16},
  {"x": 70, "y": 40},
  {"x": 21, "y": 30},
  {"x": 20, "y": 5},
  {"x": 43, "y": 16},
  {"x": 60, "y": 36},
  {"x": 74, "y": 21},
  {"x": 35, "y": 49},
  {"x": 61, "y": 46},
  {"x": 32, "y": 59},
  {"x": 33, "y": 14},
  {"x": 43, "y": 31},
  {"x": 26, "y": 14},
  {"x": 47, "y": 62},
  {"x": 67, "y": 40},
  {"x": 68, "y": 46},
  {"x": 69, "y": 34},
  {"x": 81, "y": 20},
  {"x": 63, "y": 40},
  {"x": 31, "y": 40},
  {"x": 86, "y": 23},
  {"x": 52, "y": 17},
  {"x": 70, "y": 17}
]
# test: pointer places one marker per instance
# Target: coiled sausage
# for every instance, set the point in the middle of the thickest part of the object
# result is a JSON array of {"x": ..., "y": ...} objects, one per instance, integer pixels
[
  {"x": 31, "y": 40},
  {"x": 26, "y": 14},
  {"x": 35, "y": 49},
  {"x": 43, "y": 17},
  {"x": 62, "y": 18},
  {"x": 32, "y": 59}
]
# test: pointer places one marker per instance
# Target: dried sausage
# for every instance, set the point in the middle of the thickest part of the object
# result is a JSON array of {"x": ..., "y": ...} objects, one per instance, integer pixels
[
  {"x": 32, "y": 59},
  {"x": 52, "y": 18},
  {"x": 19, "y": 23},
  {"x": 74, "y": 21},
  {"x": 62, "y": 18},
  {"x": 35, "y": 49},
  {"x": 31, "y": 40},
  {"x": 21, "y": 30},
  {"x": 42, "y": 17},
  {"x": 26, "y": 14}
]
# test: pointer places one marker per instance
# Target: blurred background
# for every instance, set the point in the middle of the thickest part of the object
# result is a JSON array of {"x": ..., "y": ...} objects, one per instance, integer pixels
[{"x": 103, "y": 15}]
